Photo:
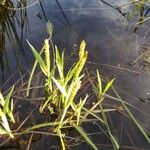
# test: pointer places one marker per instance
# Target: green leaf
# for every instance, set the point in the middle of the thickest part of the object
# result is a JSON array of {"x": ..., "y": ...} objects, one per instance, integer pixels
[
  {"x": 99, "y": 83},
  {"x": 47, "y": 55},
  {"x": 45, "y": 104},
  {"x": 6, "y": 108},
  {"x": 32, "y": 73},
  {"x": 2, "y": 101},
  {"x": 109, "y": 84},
  {"x": 82, "y": 49},
  {"x": 61, "y": 139},
  {"x": 60, "y": 63},
  {"x": 4, "y": 121},
  {"x": 72, "y": 91},
  {"x": 11, "y": 112},
  {"x": 49, "y": 29},
  {"x": 141, "y": 129},
  {"x": 2, "y": 131},
  {"x": 71, "y": 72},
  {"x": 115, "y": 142},
  {"x": 60, "y": 87},
  {"x": 79, "y": 107},
  {"x": 39, "y": 59},
  {"x": 84, "y": 135}
]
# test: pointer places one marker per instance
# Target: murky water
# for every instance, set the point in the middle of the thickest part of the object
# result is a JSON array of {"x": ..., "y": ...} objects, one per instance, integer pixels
[{"x": 111, "y": 40}]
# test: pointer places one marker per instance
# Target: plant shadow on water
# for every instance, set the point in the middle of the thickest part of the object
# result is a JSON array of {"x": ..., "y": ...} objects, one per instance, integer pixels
[{"x": 112, "y": 47}]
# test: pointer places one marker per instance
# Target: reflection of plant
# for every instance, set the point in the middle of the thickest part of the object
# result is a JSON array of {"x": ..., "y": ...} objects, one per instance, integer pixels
[
  {"x": 4, "y": 24},
  {"x": 6, "y": 113},
  {"x": 140, "y": 10},
  {"x": 9, "y": 21}
]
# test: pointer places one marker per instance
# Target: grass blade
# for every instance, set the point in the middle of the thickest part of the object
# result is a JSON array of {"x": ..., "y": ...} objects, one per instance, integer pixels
[
  {"x": 6, "y": 108},
  {"x": 84, "y": 135},
  {"x": 39, "y": 59},
  {"x": 47, "y": 55},
  {"x": 31, "y": 74},
  {"x": 132, "y": 117},
  {"x": 109, "y": 84},
  {"x": 99, "y": 83},
  {"x": 60, "y": 87},
  {"x": 2, "y": 101}
]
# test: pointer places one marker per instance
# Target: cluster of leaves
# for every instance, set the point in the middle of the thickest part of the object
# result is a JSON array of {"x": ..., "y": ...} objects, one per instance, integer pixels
[
  {"x": 62, "y": 88},
  {"x": 6, "y": 113},
  {"x": 61, "y": 91}
]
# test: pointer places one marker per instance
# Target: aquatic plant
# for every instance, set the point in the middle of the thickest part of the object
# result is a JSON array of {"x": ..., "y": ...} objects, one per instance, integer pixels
[
  {"x": 135, "y": 121},
  {"x": 6, "y": 113},
  {"x": 61, "y": 89},
  {"x": 100, "y": 94},
  {"x": 62, "y": 101}
]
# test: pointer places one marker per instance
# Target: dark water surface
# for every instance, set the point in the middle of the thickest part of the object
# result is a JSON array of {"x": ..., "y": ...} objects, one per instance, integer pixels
[{"x": 111, "y": 42}]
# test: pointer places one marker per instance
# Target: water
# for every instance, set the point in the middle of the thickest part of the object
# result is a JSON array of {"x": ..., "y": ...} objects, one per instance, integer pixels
[{"x": 111, "y": 40}]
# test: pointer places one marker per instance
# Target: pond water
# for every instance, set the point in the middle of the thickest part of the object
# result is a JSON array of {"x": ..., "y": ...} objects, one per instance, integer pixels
[{"x": 115, "y": 44}]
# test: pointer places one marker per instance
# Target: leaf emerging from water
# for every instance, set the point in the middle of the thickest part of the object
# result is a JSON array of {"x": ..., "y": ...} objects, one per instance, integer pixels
[
  {"x": 49, "y": 29},
  {"x": 39, "y": 59},
  {"x": 47, "y": 55}
]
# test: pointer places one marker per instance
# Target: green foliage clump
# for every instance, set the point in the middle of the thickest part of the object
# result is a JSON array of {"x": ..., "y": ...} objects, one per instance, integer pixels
[{"x": 6, "y": 113}]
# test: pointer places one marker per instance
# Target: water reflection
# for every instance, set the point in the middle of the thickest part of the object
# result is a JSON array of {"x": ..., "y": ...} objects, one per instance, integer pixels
[
  {"x": 12, "y": 27},
  {"x": 4, "y": 21},
  {"x": 15, "y": 24}
]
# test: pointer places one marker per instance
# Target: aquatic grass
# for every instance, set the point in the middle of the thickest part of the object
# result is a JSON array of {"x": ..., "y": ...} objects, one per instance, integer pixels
[
  {"x": 84, "y": 135},
  {"x": 61, "y": 139},
  {"x": 43, "y": 65},
  {"x": 100, "y": 95},
  {"x": 145, "y": 135},
  {"x": 99, "y": 92},
  {"x": 61, "y": 94},
  {"x": 6, "y": 113},
  {"x": 61, "y": 89},
  {"x": 50, "y": 32},
  {"x": 31, "y": 75}
]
